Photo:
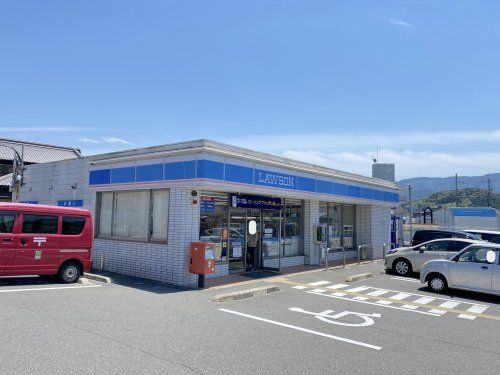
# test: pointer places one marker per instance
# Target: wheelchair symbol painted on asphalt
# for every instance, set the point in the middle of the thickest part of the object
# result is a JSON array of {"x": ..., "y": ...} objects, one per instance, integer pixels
[{"x": 327, "y": 317}]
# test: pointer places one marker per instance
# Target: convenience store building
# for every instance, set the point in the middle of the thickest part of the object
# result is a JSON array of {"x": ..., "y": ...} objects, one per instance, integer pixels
[{"x": 150, "y": 203}]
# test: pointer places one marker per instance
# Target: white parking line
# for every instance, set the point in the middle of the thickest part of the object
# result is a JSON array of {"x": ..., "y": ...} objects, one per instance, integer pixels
[
  {"x": 405, "y": 279},
  {"x": 337, "y": 286},
  {"x": 338, "y": 338},
  {"x": 424, "y": 300},
  {"x": 300, "y": 287},
  {"x": 478, "y": 309},
  {"x": 52, "y": 288},
  {"x": 358, "y": 289},
  {"x": 400, "y": 296},
  {"x": 318, "y": 290},
  {"x": 377, "y": 293},
  {"x": 318, "y": 283}
]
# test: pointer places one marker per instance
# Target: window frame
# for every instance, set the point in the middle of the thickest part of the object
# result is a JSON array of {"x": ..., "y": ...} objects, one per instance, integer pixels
[
  {"x": 147, "y": 239},
  {"x": 73, "y": 217},
  {"x": 58, "y": 222},
  {"x": 10, "y": 213}
]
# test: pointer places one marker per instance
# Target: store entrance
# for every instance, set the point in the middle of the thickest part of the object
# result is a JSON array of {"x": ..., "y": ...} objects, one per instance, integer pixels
[{"x": 254, "y": 251}]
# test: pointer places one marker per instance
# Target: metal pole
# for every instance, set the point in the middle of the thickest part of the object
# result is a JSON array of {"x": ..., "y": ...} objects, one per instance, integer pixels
[
  {"x": 201, "y": 281},
  {"x": 359, "y": 250},
  {"x": 411, "y": 212},
  {"x": 456, "y": 189},
  {"x": 343, "y": 256},
  {"x": 326, "y": 259}
]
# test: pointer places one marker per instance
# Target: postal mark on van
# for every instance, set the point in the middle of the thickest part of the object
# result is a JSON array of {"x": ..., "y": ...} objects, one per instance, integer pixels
[{"x": 45, "y": 240}]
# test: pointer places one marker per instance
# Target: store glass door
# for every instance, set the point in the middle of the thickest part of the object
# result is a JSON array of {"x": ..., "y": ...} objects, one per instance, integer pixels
[
  {"x": 237, "y": 238},
  {"x": 272, "y": 244}
]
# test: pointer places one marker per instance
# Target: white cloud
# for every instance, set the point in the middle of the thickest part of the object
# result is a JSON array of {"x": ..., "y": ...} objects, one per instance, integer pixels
[
  {"x": 402, "y": 24},
  {"x": 408, "y": 163},
  {"x": 418, "y": 153},
  {"x": 89, "y": 140},
  {"x": 115, "y": 140}
]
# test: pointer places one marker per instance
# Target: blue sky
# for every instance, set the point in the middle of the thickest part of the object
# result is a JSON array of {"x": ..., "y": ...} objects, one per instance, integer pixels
[{"x": 320, "y": 81}]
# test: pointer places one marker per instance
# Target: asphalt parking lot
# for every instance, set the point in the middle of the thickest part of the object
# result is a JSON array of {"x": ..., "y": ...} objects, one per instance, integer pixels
[{"x": 316, "y": 324}]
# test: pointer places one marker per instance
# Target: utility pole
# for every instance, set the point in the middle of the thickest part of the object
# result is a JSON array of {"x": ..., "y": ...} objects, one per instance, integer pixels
[
  {"x": 456, "y": 189},
  {"x": 410, "y": 209},
  {"x": 489, "y": 189}
]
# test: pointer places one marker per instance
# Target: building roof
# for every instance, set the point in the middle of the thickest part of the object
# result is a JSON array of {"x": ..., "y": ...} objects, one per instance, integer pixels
[
  {"x": 37, "y": 152},
  {"x": 474, "y": 211},
  {"x": 6, "y": 180},
  {"x": 203, "y": 145}
]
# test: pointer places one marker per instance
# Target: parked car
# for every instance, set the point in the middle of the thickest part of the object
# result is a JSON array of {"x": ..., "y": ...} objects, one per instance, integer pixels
[
  {"x": 45, "y": 240},
  {"x": 406, "y": 260},
  {"x": 487, "y": 235},
  {"x": 475, "y": 268},
  {"x": 424, "y": 235}
]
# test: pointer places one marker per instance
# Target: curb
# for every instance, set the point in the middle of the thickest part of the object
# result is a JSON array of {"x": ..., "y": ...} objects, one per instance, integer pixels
[
  {"x": 358, "y": 277},
  {"x": 102, "y": 279},
  {"x": 83, "y": 281},
  {"x": 243, "y": 294}
]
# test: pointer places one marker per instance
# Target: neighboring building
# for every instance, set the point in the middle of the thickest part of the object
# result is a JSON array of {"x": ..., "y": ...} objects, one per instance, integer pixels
[
  {"x": 458, "y": 218},
  {"x": 384, "y": 171},
  {"x": 31, "y": 153},
  {"x": 150, "y": 203}
]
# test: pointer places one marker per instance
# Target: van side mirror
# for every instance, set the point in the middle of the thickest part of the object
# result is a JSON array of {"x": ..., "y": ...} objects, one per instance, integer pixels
[{"x": 421, "y": 249}]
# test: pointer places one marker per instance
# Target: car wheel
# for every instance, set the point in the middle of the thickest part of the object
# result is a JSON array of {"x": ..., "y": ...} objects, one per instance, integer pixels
[
  {"x": 69, "y": 273},
  {"x": 437, "y": 283},
  {"x": 402, "y": 267}
]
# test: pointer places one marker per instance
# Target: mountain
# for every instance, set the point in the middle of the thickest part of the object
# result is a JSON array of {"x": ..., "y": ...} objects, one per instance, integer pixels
[
  {"x": 425, "y": 186},
  {"x": 466, "y": 198}
]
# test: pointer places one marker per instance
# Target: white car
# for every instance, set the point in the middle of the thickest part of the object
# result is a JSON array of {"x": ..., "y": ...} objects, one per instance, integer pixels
[
  {"x": 486, "y": 235},
  {"x": 406, "y": 260},
  {"x": 475, "y": 268}
]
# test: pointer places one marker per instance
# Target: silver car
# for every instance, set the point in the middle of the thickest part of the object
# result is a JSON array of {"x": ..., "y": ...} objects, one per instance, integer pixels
[
  {"x": 475, "y": 268},
  {"x": 406, "y": 260}
]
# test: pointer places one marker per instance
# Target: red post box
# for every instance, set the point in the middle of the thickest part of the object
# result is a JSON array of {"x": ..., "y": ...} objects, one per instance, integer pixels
[{"x": 201, "y": 258}]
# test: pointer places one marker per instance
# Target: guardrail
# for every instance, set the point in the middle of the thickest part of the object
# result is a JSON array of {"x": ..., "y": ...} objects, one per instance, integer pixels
[
  {"x": 328, "y": 250},
  {"x": 392, "y": 246},
  {"x": 362, "y": 250}
]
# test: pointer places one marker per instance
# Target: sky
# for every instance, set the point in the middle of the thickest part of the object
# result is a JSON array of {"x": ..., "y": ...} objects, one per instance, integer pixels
[{"x": 326, "y": 82}]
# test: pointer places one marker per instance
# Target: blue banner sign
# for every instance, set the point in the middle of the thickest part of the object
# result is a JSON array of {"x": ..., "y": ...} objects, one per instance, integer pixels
[
  {"x": 71, "y": 203},
  {"x": 29, "y": 202},
  {"x": 255, "y": 201},
  {"x": 207, "y": 204}
]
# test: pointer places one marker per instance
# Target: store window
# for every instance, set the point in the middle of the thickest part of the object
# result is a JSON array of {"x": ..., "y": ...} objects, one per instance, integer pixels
[
  {"x": 339, "y": 220},
  {"x": 213, "y": 222},
  {"x": 293, "y": 234},
  {"x": 135, "y": 214}
]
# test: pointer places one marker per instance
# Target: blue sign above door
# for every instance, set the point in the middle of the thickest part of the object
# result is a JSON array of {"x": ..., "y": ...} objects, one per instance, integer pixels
[{"x": 255, "y": 201}]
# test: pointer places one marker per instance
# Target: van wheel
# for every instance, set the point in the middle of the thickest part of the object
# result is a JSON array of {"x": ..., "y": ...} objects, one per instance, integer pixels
[
  {"x": 69, "y": 272},
  {"x": 402, "y": 267},
  {"x": 437, "y": 283}
]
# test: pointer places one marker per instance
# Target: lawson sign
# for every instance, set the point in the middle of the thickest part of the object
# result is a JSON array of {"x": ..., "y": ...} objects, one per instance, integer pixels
[{"x": 281, "y": 180}]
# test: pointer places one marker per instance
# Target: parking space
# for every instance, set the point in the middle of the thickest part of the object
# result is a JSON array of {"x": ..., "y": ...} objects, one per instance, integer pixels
[
  {"x": 316, "y": 323},
  {"x": 37, "y": 284}
]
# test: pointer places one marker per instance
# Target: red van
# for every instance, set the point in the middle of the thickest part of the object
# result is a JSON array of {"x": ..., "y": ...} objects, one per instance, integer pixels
[{"x": 45, "y": 240}]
